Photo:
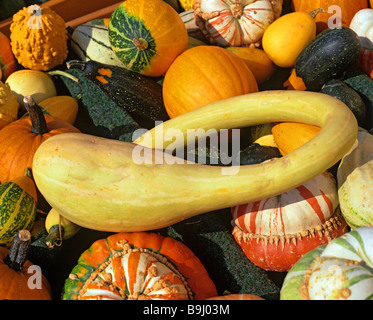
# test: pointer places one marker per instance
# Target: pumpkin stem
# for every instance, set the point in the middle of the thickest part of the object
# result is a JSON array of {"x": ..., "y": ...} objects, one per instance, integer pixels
[
  {"x": 38, "y": 122},
  {"x": 315, "y": 12},
  {"x": 140, "y": 44},
  {"x": 18, "y": 250},
  {"x": 64, "y": 74},
  {"x": 54, "y": 237}
]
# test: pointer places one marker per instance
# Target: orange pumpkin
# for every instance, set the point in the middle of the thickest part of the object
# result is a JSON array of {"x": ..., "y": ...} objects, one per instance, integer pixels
[
  {"x": 202, "y": 75},
  {"x": 20, "y": 139},
  {"x": 257, "y": 60},
  {"x": 143, "y": 266},
  {"x": 291, "y": 135},
  {"x": 348, "y": 8},
  {"x": 8, "y": 62},
  {"x": 16, "y": 271}
]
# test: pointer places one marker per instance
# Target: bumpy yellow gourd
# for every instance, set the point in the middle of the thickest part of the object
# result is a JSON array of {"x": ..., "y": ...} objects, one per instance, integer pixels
[
  {"x": 8, "y": 105},
  {"x": 187, "y": 4},
  {"x": 38, "y": 38}
]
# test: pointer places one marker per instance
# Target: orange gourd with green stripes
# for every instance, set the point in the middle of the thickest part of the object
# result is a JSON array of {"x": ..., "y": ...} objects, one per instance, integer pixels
[
  {"x": 147, "y": 35},
  {"x": 138, "y": 266},
  {"x": 18, "y": 204}
]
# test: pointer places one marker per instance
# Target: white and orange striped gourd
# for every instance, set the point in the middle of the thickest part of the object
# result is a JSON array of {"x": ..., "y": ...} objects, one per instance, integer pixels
[
  {"x": 275, "y": 232},
  {"x": 236, "y": 23}
]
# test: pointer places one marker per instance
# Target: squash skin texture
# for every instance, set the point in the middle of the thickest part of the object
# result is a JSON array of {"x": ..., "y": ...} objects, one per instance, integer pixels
[{"x": 120, "y": 195}]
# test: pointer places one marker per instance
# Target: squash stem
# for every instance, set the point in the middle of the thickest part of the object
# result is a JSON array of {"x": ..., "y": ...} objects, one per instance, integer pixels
[
  {"x": 140, "y": 44},
  {"x": 315, "y": 12},
  {"x": 54, "y": 237},
  {"x": 18, "y": 250},
  {"x": 38, "y": 122},
  {"x": 64, "y": 74}
]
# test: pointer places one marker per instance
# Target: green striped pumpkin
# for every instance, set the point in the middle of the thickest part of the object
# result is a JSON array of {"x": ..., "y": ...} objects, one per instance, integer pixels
[
  {"x": 147, "y": 35},
  {"x": 340, "y": 270},
  {"x": 17, "y": 207}
]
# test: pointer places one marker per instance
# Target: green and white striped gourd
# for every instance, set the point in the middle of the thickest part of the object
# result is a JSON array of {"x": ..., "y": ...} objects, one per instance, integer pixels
[
  {"x": 189, "y": 21},
  {"x": 355, "y": 182},
  {"x": 91, "y": 42},
  {"x": 18, "y": 205},
  {"x": 340, "y": 270}
]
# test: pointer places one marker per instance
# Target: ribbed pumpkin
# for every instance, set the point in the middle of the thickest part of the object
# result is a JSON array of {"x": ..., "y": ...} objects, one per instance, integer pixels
[
  {"x": 8, "y": 105},
  {"x": 257, "y": 60},
  {"x": 202, "y": 75},
  {"x": 17, "y": 273},
  {"x": 147, "y": 35},
  {"x": 236, "y": 23},
  {"x": 38, "y": 38},
  {"x": 291, "y": 135},
  {"x": 18, "y": 200},
  {"x": 348, "y": 8},
  {"x": 8, "y": 63},
  {"x": 138, "y": 266},
  {"x": 20, "y": 139},
  {"x": 340, "y": 270},
  {"x": 275, "y": 232}
]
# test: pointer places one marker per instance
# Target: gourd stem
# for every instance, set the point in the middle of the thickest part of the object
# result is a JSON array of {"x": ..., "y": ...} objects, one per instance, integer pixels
[
  {"x": 64, "y": 74},
  {"x": 18, "y": 250},
  {"x": 28, "y": 172},
  {"x": 140, "y": 44},
  {"x": 38, "y": 122},
  {"x": 314, "y": 13},
  {"x": 76, "y": 64},
  {"x": 54, "y": 236}
]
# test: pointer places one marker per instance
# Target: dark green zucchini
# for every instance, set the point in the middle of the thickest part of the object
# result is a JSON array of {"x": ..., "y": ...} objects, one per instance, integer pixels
[
  {"x": 340, "y": 90},
  {"x": 328, "y": 56},
  {"x": 139, "y": 95},
  {"x": 363, "y": 85}
]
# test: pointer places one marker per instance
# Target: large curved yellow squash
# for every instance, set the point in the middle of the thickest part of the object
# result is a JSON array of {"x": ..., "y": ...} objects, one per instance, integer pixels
[{"x": 96, "y": 183}]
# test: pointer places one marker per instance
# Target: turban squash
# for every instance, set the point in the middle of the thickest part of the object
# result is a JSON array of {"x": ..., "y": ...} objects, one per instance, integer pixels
[
  {"x": 138, "y": 266},
  {"x": 339, "y": 270},
  {"x": 275, "y": 232}
]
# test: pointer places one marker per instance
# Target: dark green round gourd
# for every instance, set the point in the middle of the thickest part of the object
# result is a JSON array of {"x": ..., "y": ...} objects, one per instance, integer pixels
[
  {"x": 340, "y": 90},
  {"x": 328, "y": 56}
]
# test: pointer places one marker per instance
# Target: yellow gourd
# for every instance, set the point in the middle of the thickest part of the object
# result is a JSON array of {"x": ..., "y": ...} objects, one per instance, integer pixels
[
  {"x": 286, "y": 37},
  {"x": 187, "y": 4},
  {"x": 38, "y": 38},
  {"x": 8, "y": 105}
]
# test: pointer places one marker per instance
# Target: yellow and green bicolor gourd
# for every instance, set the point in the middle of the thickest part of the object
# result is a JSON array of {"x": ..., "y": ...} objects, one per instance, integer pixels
[{"x": 18, "y": 205}]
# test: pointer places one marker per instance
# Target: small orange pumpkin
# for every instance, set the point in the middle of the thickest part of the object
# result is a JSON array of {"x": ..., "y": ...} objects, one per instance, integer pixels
[
  {"x": 202, "y": 75},
  {"x": 7, "y": 60},
  {"x": 16, "y": 270},
  {"x": 20, "y": 139},
  {"x": 143, "y": 266}
]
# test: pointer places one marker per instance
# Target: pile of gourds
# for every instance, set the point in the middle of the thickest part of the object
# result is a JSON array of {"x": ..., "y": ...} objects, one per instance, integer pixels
[{"x": 195, "y": 65}]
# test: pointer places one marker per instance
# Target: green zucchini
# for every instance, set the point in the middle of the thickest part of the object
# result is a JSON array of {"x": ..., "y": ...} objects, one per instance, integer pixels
[
  {"x": 328, "y": 56},
  {"x": 139, "y": 95},
  {"x": 340, "y": 90}
]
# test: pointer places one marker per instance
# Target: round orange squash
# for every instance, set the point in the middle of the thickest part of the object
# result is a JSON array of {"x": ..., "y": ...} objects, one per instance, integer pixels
[
  {"x": 291, "y": 135},
  {"x": 16, "y": 271},
  {"x": 202, "y": 75},
  {"x": 348, "y": 10},
  {"x": 7, "y": 60},
  {"x": 20, "y": 139},
  {"x": 257, "y": 60}
]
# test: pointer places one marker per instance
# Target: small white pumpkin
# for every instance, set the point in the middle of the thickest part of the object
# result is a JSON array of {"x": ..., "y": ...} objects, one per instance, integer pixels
[{"x": 362, "y": 24}]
